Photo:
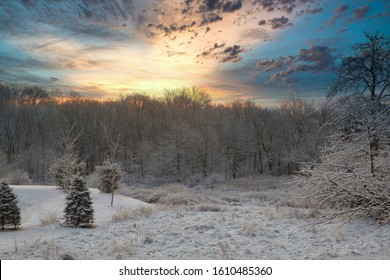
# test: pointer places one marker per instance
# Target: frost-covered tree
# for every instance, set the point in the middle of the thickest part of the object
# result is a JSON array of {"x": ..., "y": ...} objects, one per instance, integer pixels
[
  {"x": 353, "y": 174},
  {"x": 78, "y": 211},
  {"x": 9, "y": 210},
  {"x": 64, "y": 168},
  {"x": 110, "y": 174}
]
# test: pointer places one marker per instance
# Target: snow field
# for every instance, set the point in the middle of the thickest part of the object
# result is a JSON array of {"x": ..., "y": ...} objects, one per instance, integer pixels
[{"x": 259, "y": 218}]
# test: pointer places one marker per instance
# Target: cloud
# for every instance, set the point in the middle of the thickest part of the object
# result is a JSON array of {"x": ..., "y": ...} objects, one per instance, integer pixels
[
  {"x": 210, "y": 50},
  {"x": 210, "y": 5},
  {"x": 342, "y": 9},
  {"x": 361, "y": 12},
  {"x": 228, "y": 54},
  {"x": 231, "y": 6},
  {"x": 357, "y": 14},
  {"x": 279, "y": 22},
  {"x": 231, "y": 54},
  {"x": 271, "y": 64},
  {"x": 319, "y": 57},
  {"x": 210, "y": 18},
  {"x": 313, "y": 60},
  {"x": 218, "y": 5},
  {"x": 315, "y": 11},
  {"x": 342, "y": 31},
  {"x": 275, "y": 23},
  {"x": 280, "y": 5},
  {"x": 23, "y": 77},
  {"x": 339, "y": 12}
]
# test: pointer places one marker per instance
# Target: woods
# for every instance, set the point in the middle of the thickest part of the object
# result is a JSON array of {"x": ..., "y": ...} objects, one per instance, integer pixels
[{"x": 179, "y": 135}]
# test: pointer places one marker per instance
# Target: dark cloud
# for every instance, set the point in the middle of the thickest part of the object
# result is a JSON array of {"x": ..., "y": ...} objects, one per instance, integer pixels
[
  {"x": 313, "y": 60},
  {"x": 272, "y": 64},
  {"x": 361, "y": 12},
  {"x": 210, "y": 5},
  {"x": 210, "y": 50},
  {"x": 228, "y": 54},
  {"x": 382, "y": 14},
  {"x": 279, "y": 22},
  {"x": 231, "y": 54},
  {"x": 342, "y": 9},
  {"x": 186, "y": 26},
  {"x": 167, "y": 30},
  {"x": 23, "y": 77},
  {"x": 262, "y": 22},
  {"x": 231, "y": 6},
  {"x": 210, "y": 18},
  {"x": 217, "y": 6},
  {"x": 188, "y": 6},
  {"x": 315, "y": 11},
  {"x": 319, "y": 57},
  {"x": 280, "y": 5},
  {"x": 342, "y": 31},
  {"x": 339, "y": 12}
]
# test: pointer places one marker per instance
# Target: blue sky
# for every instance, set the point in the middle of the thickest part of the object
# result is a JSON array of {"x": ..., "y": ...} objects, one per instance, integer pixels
[{"x": 259, "y": 49}]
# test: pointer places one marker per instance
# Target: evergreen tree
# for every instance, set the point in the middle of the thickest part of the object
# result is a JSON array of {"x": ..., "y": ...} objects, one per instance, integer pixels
[
  {"x": 9, "y": 210},
  {"x": 78, "y": 211}
]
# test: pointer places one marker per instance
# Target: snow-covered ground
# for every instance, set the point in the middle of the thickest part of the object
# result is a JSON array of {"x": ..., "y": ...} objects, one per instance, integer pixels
[{"x": 242, "y": 219}]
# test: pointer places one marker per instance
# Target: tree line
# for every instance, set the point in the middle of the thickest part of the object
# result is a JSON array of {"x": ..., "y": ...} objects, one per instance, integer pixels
[{"x": 175, "y": 136}]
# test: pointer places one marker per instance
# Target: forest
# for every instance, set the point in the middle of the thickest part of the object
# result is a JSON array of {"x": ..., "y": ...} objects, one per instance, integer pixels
[{"x": 179, "y": 135}]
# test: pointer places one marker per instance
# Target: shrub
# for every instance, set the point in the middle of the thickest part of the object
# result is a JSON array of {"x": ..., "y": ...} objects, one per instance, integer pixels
[
  {"x": 343, "y": 181},
  {"x": 19, "y": 177}
]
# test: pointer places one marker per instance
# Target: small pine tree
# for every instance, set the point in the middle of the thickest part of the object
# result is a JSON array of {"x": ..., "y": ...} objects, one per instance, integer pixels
[
  {"x": 78, "y": 211},
  {"x": 9, "y": 210},
  {"x": 110, "y": 175}
]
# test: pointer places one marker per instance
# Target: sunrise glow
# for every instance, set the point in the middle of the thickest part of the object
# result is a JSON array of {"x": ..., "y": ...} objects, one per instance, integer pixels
[{"x": 244, "y": 49}]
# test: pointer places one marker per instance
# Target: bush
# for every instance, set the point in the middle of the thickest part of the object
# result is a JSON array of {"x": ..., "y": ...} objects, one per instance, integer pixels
[
  {"x": 343, "y": 182},
  {"x": 19, "y": 177}
]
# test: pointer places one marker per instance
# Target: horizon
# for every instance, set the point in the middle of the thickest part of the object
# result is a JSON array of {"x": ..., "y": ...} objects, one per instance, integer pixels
[{"x": 261, "y": 50}]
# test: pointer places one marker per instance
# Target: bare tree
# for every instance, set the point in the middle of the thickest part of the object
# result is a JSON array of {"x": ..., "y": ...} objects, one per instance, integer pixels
[{"x": 368, "y": 70}]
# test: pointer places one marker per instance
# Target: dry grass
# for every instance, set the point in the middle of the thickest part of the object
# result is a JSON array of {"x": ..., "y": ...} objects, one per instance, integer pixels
[
  {"x": 49, "y": 219},
  {"x": 225, "y": 250},
  {"x": 123, "y": 249},
  {"x": 208, "y": 208},
  {"x": 124, "y": 214},
  {"x": 248, "y": 229},
  {"x": 259, "y": 183},
  {"x": 171, "y": 194}
]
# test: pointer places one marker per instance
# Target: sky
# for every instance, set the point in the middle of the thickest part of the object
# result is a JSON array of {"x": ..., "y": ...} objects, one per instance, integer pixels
[{"x": 264, "y": 50}]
